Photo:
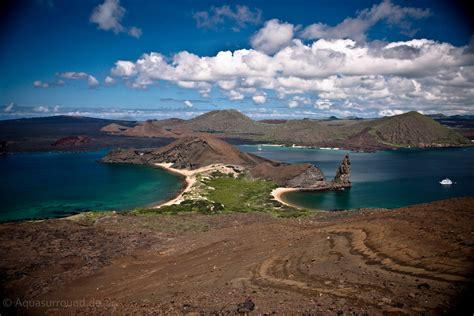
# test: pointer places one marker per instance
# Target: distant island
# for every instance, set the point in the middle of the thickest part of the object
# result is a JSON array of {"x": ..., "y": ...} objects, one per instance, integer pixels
[
  {"x": 411, "y": 129},
  {"x": 75, "y": 133}
]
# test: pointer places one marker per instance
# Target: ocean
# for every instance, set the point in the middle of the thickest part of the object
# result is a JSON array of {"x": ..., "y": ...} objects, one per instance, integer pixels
[
  {"x": 384, "y": 179},
  {"x": 45, "y": 185}
]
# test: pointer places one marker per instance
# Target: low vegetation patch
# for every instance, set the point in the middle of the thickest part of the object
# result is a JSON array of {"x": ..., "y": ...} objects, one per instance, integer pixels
[
  {"x": 240, "y": 194},
  {"x": 187, "y": 206},
  {"x": 224, "y": 193}
]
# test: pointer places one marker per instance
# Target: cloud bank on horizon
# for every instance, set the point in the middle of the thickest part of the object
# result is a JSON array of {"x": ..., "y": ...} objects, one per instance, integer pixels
[{"x": 316, "y": 68}]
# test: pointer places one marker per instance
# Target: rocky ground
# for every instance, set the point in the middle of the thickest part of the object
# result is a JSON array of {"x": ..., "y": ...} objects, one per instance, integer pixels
[{"x": 415, "y": 260}]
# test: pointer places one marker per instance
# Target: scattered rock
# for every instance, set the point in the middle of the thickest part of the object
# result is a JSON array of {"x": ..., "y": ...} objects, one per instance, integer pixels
[
  {"x": 424, "y": 286},
  {"x": 246, "y": 307}
]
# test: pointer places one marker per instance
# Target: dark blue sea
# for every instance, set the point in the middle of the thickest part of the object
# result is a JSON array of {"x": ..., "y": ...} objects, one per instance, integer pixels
[{"x": 387, "y": 179}]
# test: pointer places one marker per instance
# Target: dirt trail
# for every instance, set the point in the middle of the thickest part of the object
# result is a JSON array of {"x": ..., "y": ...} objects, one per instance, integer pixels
[{"x": 410, "y": 261}]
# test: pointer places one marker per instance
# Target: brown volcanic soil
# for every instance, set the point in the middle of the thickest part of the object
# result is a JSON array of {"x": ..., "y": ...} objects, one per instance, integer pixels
[
  {"x": 190, "y": 152},
  {"x": 202, "y": 150},
  {"x": 407, "y": 261},
  {"x": 148, "y": 129}
]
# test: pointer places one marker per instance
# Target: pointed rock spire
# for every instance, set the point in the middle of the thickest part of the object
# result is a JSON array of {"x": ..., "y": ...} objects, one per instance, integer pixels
[{"x": 341, "y": 180}]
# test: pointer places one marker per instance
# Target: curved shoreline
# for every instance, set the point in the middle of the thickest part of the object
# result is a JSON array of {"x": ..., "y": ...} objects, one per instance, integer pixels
[
  {"x": 278, "y": 196},
  {"x": 190, "y": 178},
  {"x": 175, "y": 197},
  {"x": 186, "y": 179}
]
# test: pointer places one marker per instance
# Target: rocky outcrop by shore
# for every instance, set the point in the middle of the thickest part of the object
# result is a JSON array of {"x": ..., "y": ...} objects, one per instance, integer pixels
[
  {"x": 290, "y": 175},
  {"x": 341, "y": 180}
]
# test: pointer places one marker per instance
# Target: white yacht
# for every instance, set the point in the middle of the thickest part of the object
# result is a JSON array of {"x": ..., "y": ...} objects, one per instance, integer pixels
[{"x": 446, "y": 182}]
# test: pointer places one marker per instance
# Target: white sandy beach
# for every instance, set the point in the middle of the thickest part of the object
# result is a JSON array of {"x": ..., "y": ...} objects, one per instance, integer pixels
[
  {"x": 278, "y": 192},
  {"x": 190, "y": 178}
]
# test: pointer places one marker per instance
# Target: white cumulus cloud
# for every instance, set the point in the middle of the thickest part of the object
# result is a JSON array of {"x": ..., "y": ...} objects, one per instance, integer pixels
[
  {"x": 362, "y": 77},
  {"x": 124, "y": 68},
  {"x": 273, "y": 36},
  {"x": 259, "y": 98},
  {"x": 338, "y": 75},
  {"x": 108, "y": 17},
  {"x": 109, "y": 81},
  {"x": 188, "y": 103}
]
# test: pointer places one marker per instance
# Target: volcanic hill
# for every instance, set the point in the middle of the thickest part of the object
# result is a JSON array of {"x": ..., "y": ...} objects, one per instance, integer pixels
[
  {"x": 415, "y": 130},
  {"x": 188, "y": 152},
  {"x": 406, "y": 130},
  {"x": 200, "y": 150}
]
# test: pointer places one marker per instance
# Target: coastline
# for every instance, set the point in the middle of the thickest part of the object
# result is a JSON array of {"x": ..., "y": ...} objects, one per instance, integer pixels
[
  {"x": 278, "y": 196},
  {"x": 178, "y": 197},
  {"x": 175, "y": 199},
  {"x": 190, "y": 177}
]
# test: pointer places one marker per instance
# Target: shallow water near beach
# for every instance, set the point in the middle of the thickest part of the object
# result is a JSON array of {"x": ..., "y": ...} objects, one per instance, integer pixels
[
  {"x": 45, "y": 185},
  {"x": 386, "y": 179}
]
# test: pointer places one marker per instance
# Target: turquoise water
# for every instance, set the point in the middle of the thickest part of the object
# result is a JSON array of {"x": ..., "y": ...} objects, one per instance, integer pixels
[
  {"x": 44, "y": 185},
  {"x": 386, "y": 179}
]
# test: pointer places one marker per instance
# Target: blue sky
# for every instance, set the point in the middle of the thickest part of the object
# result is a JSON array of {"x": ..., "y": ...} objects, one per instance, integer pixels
[{"x": 288, "y": 58}]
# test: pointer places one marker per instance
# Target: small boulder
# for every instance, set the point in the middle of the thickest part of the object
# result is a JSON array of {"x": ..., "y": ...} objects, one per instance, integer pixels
[
  {"x": 424, "y": 286},
  {"x": 246, "y": 307}
]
